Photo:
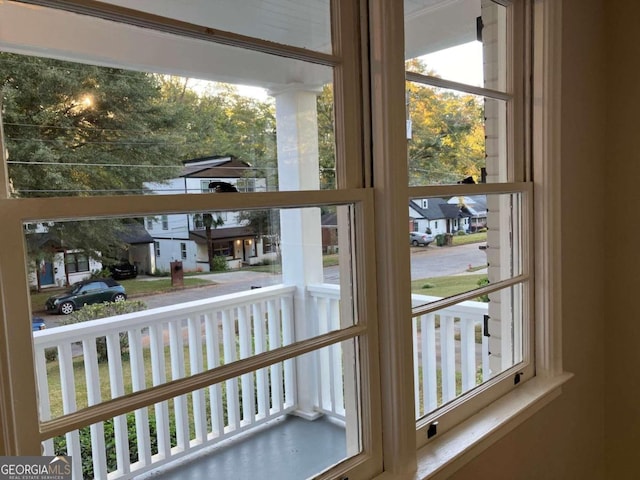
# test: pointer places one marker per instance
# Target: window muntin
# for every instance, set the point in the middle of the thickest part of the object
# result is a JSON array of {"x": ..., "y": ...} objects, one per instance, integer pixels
[
  {"x": 165, "y": 134},
  {"x": 462, "y": 346},
  {"x": 466, "y": 43},
  {"x": 300, "y": 24},
  {"x": 477, "y": 242},
  {"x": 221, "y": 411},
  {"x": 493, "y": 90},
  {"x": 455, "y": 137}
]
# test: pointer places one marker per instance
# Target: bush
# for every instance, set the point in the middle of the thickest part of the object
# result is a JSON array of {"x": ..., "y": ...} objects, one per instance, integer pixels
[
  {"x": 219, "y": 264},
  {"x": 481, "y": 283},
  {"x": 103, "y": 310},
  {"x": 104, "y": 273},
  {"x": 60, "y": 443},
  {"x": 461, "y": 232},
  {"x": 428, "y": 285}
]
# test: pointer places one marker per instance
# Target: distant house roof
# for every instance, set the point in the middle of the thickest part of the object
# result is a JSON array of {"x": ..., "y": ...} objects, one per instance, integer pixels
[
  {"x": 433, "y": 210},
  {"x": 454, "y": 211},
  {"x": 230, "y": 233},
  {"x": 215, "y": 166},
  {"x": 39, "y": 241},
  {"x": 135, "y": 234},
  {"x": 438, "y": 208}
]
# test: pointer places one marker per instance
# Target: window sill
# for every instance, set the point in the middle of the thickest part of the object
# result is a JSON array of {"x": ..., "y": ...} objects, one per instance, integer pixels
[{"x": 443, "y": 456}]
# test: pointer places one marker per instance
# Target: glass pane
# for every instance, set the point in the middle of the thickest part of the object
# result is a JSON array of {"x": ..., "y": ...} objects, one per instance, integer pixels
[
  {"x": 459, "y": 244},
  {"x": 455, "y": 137},
  {"x": 77, "y": 130},
  {"x": 460, "y": 347},
  {"x": 303, "y": 24},
  {"x": 213, "y": 294},
  {"x": 463, "y": 41},
  {"x": 292, "y": 419}
]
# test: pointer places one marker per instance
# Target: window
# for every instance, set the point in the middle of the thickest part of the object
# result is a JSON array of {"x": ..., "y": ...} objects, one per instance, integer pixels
[
  {"x": 150, "y": 222},
  {"x": 316, "y": 145},
  {"x": 461, "y": 142},
  {"x": 76, "y": 262}
]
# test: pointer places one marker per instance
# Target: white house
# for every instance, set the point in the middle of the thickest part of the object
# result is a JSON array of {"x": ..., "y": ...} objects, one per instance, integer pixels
[
  {"x": 182, "y": 237},
  {"x": 438, "y": 215}
]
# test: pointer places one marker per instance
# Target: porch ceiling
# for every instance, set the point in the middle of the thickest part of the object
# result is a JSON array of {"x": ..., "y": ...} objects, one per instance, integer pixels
[{"x": 431, "y": 25}]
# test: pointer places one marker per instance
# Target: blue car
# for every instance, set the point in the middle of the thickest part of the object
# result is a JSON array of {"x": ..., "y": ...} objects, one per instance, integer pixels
[{"x": 37, "y": 323}]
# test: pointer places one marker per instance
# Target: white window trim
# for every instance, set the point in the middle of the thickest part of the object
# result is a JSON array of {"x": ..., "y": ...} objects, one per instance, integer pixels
[{"x": 444, "y": 455}]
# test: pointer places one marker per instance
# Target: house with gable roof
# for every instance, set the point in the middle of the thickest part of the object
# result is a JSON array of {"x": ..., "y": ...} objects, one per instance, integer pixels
[
  {"x": 438, "y": 215},
  {"x": 182, "y": 237}
]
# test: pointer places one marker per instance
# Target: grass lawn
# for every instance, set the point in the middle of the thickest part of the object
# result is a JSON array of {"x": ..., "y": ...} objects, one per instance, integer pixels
[
  {"x": 469, "y": 238},
  {"x": 446, "y": 286}
]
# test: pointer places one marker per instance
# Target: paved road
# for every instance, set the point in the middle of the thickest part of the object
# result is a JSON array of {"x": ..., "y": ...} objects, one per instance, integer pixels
[{"x": 425, "y": 262}]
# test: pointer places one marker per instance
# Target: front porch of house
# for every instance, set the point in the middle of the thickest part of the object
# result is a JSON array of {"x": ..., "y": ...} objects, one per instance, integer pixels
[{"x": 296, "y": 416}]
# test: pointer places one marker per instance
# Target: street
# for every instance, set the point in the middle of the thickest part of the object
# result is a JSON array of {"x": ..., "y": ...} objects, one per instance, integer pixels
[{"x": 425, "y": 262}]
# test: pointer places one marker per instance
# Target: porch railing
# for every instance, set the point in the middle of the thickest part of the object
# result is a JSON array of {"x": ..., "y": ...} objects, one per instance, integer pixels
[
  {"x": 450, "y": 352},
  {"x": 162, "y": 344}
]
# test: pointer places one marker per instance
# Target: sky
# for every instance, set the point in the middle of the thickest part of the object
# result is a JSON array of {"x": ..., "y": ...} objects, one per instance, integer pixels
[{"x": 462, "y": 63}]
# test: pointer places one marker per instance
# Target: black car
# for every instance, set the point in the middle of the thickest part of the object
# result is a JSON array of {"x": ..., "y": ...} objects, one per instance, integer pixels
[
  {"x": 123, "y": 270},
  {"x": 86, "y": 292}
]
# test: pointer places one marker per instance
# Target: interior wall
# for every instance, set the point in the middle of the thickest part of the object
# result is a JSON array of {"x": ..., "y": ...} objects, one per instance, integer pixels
[
  {"x": 566, "y": 439},
  {"x": 622, "y": 320}
]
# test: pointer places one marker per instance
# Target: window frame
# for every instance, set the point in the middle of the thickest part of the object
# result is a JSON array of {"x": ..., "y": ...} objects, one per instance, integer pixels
[
  {"x": 445, "y": 454},
  {"x": 386, "y": 409},
  {"x": 25, "y": 432}
]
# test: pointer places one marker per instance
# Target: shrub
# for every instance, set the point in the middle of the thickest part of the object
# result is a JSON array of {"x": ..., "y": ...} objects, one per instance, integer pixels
[
  {"x": 219, "y": 264},
  {"x": 104, "y": 273},
  {"x": 428, "y": 285},
  {"x": 60, "y": 443},
  {"x": 481, "y": 283},
  {"x": 461, "y": 232},
  {"x": 102, "y": 310}
]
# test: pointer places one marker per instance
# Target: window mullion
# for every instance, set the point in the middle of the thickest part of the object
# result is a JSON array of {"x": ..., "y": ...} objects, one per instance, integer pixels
[
  {"x": 391, "y": 193},
  {"x": 18, "y": 405}
]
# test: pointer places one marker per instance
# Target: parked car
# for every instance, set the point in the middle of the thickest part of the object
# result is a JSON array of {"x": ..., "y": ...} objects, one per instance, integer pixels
[
  {"x": 37, "y": 323},
  {"x": 123, "y": 270},
  {"x": 418, "y": 238},
  {"x": 86, "y": 292}
]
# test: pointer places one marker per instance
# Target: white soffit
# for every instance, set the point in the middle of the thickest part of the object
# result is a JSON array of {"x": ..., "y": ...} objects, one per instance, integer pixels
[{"x": 46, "y": 32}]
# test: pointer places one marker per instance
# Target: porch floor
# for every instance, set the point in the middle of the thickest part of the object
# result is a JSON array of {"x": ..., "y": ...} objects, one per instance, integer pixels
[{"x": 291, "y": 449}]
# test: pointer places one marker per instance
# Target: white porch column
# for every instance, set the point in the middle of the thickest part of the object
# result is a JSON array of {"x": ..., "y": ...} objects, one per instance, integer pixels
[{"x": 301, "y": 237}]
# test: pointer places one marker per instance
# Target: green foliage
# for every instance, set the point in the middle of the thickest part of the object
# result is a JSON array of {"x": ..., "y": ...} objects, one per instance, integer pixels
[
  {"x": 428, "y": 285},
  {"x": 60, "y": 443},
  {"x": 219, "y": 264},
  {"x": 447, "y": 138},
  {"x": 461, "y": 233},
  {"x": 104, "y": 273},
  {"x": 103, "y": 310},
  {"x": 481, "y": 283}
]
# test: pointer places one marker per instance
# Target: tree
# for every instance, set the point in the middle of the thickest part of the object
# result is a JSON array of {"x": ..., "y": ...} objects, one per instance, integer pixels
[
  {"x": 77, "y": 130},
  {"x": 447, "y": 140},
  {"x": 209, "y": 222}
]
